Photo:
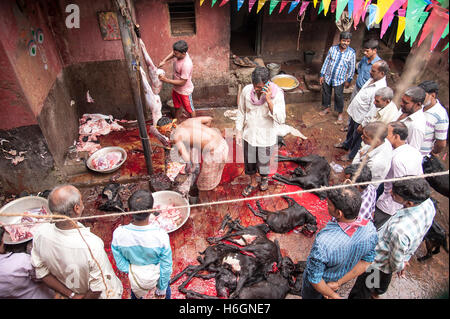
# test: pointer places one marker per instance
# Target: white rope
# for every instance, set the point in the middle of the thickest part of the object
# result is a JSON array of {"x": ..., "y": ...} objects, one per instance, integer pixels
[{"x": 229, "y": 201}]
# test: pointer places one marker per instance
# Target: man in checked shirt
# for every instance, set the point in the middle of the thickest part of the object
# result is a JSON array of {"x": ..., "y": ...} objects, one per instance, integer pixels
[
  {"x": 336, "y": 73},
  {"x": 399, "y": 238}
]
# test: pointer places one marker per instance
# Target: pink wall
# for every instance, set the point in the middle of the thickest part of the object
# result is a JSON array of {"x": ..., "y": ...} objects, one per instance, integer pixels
[{"x": 209, "y": 48}]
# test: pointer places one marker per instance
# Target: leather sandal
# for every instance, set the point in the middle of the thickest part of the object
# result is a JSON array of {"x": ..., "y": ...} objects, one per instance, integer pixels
[
  {"x": 248, "y": 190},
  {"x": 264, "y": 185}
]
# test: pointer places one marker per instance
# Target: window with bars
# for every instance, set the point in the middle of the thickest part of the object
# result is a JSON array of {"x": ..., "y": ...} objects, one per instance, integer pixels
[{"x": 182, "y": 18}]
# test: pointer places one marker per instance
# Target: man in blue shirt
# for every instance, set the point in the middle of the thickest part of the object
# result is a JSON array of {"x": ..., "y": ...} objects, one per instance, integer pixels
[
  {"x": 336, "y": 73},
  {"x": 342, "y": 250},
  {"x": 365, "y": 65}
]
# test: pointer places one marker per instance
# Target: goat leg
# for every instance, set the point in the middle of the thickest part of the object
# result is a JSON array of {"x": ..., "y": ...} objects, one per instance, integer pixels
[
  {"x": 188, "y": 269},
  {"x": 259, "y": 214},
  {"x": 195, "y": 295}
]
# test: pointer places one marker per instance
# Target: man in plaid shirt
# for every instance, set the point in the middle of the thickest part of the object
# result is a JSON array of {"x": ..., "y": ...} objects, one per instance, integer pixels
[
  {"x": 337, "y": 71},
  {"x": 399, "y": 238}
]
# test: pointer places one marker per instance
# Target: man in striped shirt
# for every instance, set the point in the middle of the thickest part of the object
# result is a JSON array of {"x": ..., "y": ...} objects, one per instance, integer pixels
[
  {"x": 342, "y": 250},
  {"x": 436, "y": 116},
  {"x": 399, "y": 238},
  {"x": 336, "y": 73}
]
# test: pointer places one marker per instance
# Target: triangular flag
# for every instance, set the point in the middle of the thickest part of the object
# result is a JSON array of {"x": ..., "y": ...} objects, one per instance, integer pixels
[
  {"x": 273, "y": 4},
  {"x": 365, "y": 8},
  {"x": 320, "y": 8},
  {"x": 201, "y": 2},
  {"x": 357, "y": 11},
  {"x": 436, "y": 24},
  {"x": 250, "y": 5},
  {"x": 293, "y": 5},
  {"x": 445, "y": 32},
  {"x": 326, "y": 5},
  {"x": 414, "y": 12},
  {"x": 340, "y": 8},
  {"x": 315, "y": 3},
  {"x": 446, "y": 47},
  {"x": 333, "y": 6},
  {"x": 415, "y": 29},
  {"x": 389, "y": 15},
  {"x": 303, "y": 7},
  {"x": 373, "y": 9},
  {"x": 224, "y": 2},
  {"x": 261, "y": 4},
  {"x": 350, "y": 8},
  {"x": 282, "y": 5},
  {"x": 239, "y": 4},
  {"x": 400, "y": 27},
  {"x": 383, "y": 7},
  {"x": 213, "y": 2}
]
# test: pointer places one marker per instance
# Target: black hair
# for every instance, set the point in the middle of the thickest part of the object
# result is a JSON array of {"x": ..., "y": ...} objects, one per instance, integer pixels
[
  {"x": 260, "y": 75},
  {"x": 348, "y": 200},
  {"x": 400, "y": 129},
  {"x": 345, "y": 35},
  {"x": 164, "y": 121},
  {"x": 371, "y": 44},
  {"x": 2, "y": 231},
  {"x": 140, "y": 200},
  {"x": 429, "y": 87},
  {"x": 364, "y": 176},
  {"x": 180, "y": 46},
  {"x": 413, "y": 190}
]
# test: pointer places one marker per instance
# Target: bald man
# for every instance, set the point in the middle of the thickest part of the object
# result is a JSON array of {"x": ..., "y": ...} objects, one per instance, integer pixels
[{"x": 74, "y": 266}]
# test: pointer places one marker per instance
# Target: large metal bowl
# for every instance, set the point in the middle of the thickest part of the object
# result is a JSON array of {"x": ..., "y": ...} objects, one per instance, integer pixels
[
  {"x": 20, "y": 205},
  {"x": 285, "y": 88},
  {"x": 167, "y": 198},
  {"x": 102, "y": 152}
]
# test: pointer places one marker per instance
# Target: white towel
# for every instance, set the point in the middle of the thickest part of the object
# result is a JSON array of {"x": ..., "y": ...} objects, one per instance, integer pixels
[{"x": 143, "y": 278}]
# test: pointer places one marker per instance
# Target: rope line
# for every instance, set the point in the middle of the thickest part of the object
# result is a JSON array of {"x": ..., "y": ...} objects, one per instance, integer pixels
[{"x": 228, "y": 201}]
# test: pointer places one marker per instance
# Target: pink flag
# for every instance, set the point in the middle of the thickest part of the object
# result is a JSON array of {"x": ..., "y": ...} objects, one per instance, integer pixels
[
  {"x": 389, "y": 15},
  {"x": 250, "y": 4},
  {"x": 367, "y": 5},
  {"x": 357, "y": 11},
  {"x": 333, "y": 6},
  {"x": 436, "y": 23},
  {"x": 303, "y": 7},
  {"x": 224, "y": 2},
  {"x": 282, "y": 5}
]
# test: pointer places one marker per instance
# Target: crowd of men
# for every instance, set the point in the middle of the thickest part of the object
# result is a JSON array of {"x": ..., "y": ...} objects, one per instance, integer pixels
[{"x": 374, "y": 231}]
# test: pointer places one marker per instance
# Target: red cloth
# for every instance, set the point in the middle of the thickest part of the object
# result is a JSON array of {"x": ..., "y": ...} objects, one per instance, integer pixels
[{"x": 350, "y": 228}]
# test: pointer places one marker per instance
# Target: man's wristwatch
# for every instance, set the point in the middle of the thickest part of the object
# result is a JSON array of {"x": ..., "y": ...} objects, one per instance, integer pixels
[{"x": 72, "y": 295}]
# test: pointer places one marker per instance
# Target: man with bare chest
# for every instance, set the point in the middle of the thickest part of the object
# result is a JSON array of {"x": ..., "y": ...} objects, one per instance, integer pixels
[{"x": 197, "y": 142}]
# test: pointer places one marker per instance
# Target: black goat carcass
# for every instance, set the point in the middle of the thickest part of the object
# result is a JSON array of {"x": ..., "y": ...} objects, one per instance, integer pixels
[
  {"x": 313, "y": 172},
  {"x": 434, "y": 239},
  {"x": 288, "y": 218},
  {"x": 439, "y": 183},
  {"x": 111, "y": 193}
]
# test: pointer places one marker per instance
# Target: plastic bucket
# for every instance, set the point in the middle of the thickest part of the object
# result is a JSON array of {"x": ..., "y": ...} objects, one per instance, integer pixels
[{"x": 274, "y": 69}]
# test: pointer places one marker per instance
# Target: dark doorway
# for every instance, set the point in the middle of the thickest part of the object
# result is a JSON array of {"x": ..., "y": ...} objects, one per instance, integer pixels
[{"x": 245, "y": 30}]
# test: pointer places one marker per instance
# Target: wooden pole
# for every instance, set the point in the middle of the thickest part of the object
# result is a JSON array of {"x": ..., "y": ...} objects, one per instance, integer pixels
[{"x": 131, "y": 52}]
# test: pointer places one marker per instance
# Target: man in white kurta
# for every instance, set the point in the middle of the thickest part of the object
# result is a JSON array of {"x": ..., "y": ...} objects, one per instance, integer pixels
[{"x": 261, "y": 111}]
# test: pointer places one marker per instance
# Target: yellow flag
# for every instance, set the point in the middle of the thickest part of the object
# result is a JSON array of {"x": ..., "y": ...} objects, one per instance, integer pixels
[
  {"x": 383, "y": 7},
  {"x": 326, "y": 6},
  {"x": 400, "y": 28},
  {"x": 365, "y": 4},
  {"x": 260, "y": 4},
  {"x": 315, "y": 3},
  {"x": 201, "y": 2}
]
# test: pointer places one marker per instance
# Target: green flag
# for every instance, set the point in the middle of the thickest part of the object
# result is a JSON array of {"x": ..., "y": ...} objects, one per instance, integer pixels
[
  {"x": 273, "y": 4},
  {"x": 320, "y": 7},
  {"x": 341, "y": 4},
  {"x": 213, "y": 3}
]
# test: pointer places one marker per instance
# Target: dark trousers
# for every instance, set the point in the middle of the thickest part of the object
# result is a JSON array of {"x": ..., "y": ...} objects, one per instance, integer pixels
[
  {"x": 378, "y": 284},
  {"x": 353, "y": 139},
  {"x": 380, "y": 218},
  {"x": 338, "y": 96},
  {"x": 168, "y": 293},
  {"x": 257, "y": 159},
  {"x": 308, "y": 291}
]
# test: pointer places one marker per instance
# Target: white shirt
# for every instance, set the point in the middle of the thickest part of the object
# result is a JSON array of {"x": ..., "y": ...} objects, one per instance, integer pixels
[
  {"x": 258, "y": 125},
  {"x": 379, "y": 160},
  {"x": 416, "y": 124},
  {"x": 387, "y": 114},
  {"x": 363, "y": 101},
  {"x": 65, "y": 255},
  {"x": 406, "y": 160},
  {"x": 436, "y": 127}
]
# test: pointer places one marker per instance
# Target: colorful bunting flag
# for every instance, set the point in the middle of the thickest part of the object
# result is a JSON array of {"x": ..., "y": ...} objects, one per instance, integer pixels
[
  {"x": 320, "y": 8},
  {"x": 326, "y": 5},
  {"x": 282, "y": 5},
  {"x": 239, "y": 4},
  {"x": 293, "y": 5},
  {"x": 303, "y": 7},
  {"x": 365, "y": 8},
  {"x": 261, "y": 4},
  {"x": 389, "y": 15},
  {"x": 383, "y": 7},
  {"x": 333, "y": 6},
  {"x": 446, "y": 47},
  {"x": 224, "y": 2},
  {"x": 414, "y": 17},
  {"x": 250, "y": 5},
  {"x": 201, "y": 2},
  {"x": 340, "y": 8},
  {"x": 400, "y": 27},
  {"x": 273, "y": 4},
  {"x": 357, "y": 11},
  {"x": 315, "y": 3},
  {"x": 373, "y": 9},
  {"x": 436, "y": 23},
  {"x": 213, "y": 3},
  {"x": 350, "y": 8}
]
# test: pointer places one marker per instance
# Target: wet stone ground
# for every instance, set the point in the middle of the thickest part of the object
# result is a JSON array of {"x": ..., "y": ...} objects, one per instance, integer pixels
[{"x": 428, "y": 279}]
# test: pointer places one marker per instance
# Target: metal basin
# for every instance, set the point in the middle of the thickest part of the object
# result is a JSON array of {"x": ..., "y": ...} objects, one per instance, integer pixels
[
  {"x": 102, "y": 152},
  {"x": 167, "y": 198},
  {"x": 286, "y": 76},
  {"x": 20, "y": 205}
]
